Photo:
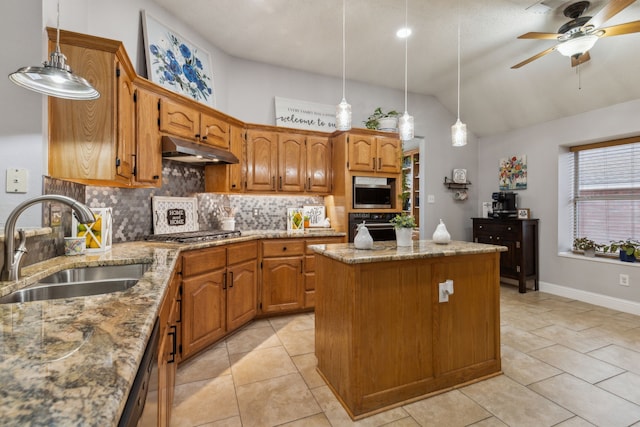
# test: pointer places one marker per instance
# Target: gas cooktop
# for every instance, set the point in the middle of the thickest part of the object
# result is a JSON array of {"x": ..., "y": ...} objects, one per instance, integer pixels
[{"x": 194, "y": 236}]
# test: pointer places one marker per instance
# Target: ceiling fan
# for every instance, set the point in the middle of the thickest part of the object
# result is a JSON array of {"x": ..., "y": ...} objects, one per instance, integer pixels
[{"x": 577, "y": 36}]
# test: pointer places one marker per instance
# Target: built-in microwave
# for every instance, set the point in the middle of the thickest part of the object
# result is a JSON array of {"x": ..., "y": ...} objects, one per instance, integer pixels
[{"x": 372, "y": 193}]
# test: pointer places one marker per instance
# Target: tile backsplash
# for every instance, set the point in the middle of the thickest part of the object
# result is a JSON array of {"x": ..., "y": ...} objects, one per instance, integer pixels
[{"x": 132, "y": 208}]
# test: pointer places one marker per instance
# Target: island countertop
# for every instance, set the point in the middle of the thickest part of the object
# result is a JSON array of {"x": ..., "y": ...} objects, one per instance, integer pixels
[{"x": 389, "y": 251}]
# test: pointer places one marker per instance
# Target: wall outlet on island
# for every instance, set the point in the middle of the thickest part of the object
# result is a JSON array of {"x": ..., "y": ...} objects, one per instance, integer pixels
[{"x": 623, "y": 280}]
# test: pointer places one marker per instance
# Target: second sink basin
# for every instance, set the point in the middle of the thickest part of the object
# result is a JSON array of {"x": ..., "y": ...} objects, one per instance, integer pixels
[{"x": 76, "y": 282}]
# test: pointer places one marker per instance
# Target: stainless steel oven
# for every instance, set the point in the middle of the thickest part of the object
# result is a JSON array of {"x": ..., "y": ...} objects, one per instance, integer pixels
[{"x": 376, "y": 222}]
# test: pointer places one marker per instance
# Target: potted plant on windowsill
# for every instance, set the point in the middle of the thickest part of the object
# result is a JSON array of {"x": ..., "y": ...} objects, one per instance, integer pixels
[
  {"x": 629, "y": 249},
  {"x": 383, "y": 121},
  {"x": 404, "y": 225},
  {"x": 586, "y": 245}
]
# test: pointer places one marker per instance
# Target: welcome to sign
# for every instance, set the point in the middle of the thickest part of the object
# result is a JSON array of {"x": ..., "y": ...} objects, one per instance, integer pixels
[{"x": 293, "y": 113}]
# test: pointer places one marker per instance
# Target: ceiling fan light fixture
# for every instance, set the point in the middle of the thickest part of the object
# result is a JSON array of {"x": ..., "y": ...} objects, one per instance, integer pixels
[
  {"x": 577, "y": 45},
  {"x": 55, "y": 78}
]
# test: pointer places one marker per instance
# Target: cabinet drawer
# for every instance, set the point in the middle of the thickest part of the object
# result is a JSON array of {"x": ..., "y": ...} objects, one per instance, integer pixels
[
  {"x": 321, "y": 241},
  {"x": 271, "y": 248},
  {"x": 203, "y": 260},
  {"x": 242, "y": 252},
  {"x": 178, "y": 119}
]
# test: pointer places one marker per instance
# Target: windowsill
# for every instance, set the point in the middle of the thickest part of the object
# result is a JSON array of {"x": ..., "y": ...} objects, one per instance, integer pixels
[{"x": 599, "y": 258}]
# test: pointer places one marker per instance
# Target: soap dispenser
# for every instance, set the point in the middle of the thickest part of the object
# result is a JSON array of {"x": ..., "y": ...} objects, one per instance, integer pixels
[{"x": 363, "y": 239}]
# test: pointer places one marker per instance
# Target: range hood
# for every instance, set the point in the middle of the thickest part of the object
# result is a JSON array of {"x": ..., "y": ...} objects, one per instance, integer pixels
[{"x": 182, "y": 150}]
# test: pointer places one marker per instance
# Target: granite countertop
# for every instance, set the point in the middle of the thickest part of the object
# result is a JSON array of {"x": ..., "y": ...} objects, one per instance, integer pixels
[
  {"x": 388, "y": 251},
  {"x": 72, "y": 361}
]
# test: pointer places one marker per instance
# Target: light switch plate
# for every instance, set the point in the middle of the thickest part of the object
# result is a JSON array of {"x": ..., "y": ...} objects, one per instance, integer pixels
[{"x": 17, "y": 180}]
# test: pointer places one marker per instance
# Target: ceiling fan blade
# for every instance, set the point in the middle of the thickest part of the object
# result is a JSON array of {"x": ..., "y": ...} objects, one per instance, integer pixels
[
  {"x": 580, "y": 59},
  {"x": 534, "y": 57},
  {"x": 612, "y": 8},
  {"x": 616, "y": 30},
  {"x": 549, "y": 36}
]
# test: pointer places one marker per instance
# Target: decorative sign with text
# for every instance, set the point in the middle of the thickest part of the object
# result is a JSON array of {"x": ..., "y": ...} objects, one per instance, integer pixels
[{"x": 293, "y": 113}]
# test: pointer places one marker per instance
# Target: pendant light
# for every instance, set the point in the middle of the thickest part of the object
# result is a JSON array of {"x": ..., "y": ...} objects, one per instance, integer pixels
[
  {"x": 343, "y": 110},
  {"x": 459, "y": 129},
  {"x": 55, "y": 78},
  {"x": 405, "y": 123}
]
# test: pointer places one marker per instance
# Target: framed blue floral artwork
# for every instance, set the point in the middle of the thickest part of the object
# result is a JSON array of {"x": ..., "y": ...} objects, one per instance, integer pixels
[{"x": 176, "y": 63}]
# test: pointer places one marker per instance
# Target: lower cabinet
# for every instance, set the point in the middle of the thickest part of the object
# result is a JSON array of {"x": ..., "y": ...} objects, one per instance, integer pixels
[
  {"x": 310, "y": 267},
  {"x": 282, "y": 275},
  {"x": 168, "y": 349},
  {"x": 219, "y": 293}
]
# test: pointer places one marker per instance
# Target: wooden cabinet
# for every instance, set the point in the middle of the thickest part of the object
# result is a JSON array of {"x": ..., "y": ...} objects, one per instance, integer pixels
[
  {"x": 287, "y": 162},
  {"x": 219, "y": 293},
  {"x": 310, "y": 267},
  {"x": 94, "y": 141},
  {"x": 318, "y": 164},
  {"x": 179, "y": 119},
  {"x": 520, "y": 262},
  {"x": 147, "y": 168},
  {"x": 373, "y": 153},
  {"x": 168, "y": 349},
  {"x": 228, "y": 177},
  {"x": 282, "y": 275}
]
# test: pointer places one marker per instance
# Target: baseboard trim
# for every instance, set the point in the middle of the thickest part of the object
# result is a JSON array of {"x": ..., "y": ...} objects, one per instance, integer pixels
[{"x": 619, "y": 304}]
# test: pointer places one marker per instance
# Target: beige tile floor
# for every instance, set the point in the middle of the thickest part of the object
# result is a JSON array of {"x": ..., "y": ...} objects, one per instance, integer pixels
[{"x": 566, "y": 363}]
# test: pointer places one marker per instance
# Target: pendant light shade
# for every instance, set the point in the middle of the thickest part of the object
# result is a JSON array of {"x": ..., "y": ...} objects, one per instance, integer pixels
[
  {"x": 459, "y": 129},
  {"x": 343, "y": 110},
  {"x": 55, "y": 78},
  {"x": 459, "y": 134},
  {"x": 405, "y": 123}
]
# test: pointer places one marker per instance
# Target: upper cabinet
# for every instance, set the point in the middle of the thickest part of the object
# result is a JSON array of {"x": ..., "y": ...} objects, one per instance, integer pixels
[
  {"x": 94, "y": 141},
  {"x": 180, "y": 119},
  {"x": 318, "y": 164},
  {"x": 369, "y": 153},
  {"x": 148, "y": 158}
]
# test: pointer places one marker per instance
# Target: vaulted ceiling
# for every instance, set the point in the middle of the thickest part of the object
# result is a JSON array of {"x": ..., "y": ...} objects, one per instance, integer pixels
[{"x": 307, "y": 35}]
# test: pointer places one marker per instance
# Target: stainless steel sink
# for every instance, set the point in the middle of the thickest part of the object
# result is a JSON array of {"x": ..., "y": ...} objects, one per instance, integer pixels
[
  {"x": 89, "y": 274},
  {"x": 78, "y": 282}
]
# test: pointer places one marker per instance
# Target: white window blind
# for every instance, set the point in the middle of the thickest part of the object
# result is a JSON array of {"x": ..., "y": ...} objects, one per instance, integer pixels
[{"x": 606, "y": 191}]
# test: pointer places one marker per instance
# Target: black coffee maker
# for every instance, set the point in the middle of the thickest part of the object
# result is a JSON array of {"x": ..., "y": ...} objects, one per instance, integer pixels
[{"x": 504, "y": 205}]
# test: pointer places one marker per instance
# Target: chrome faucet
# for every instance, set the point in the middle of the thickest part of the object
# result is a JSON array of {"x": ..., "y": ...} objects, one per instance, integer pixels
[{"x": 13, "y": 255}]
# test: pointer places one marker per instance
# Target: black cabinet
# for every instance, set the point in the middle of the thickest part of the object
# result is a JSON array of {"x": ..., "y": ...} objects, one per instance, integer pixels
[{"x": 520, "y": 262}]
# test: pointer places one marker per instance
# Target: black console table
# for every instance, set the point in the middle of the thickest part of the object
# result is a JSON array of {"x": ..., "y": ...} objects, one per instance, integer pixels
[{"x": 520, "y": 262}]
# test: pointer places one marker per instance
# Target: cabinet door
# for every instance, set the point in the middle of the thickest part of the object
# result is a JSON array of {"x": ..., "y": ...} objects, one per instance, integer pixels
[
  {"x": 242, "y": 297},
  {"x": 126, "y": 125},
  {"x": 178, "y": 119},
  {"x": 214, "y": 131},
  {"x": 388, "y": 155},
  {"x": 262, "y": 160},
  {"x": 203, "y": 311},
  {"x": 148, "y": 160},
  {"x": 318, "y": 164},
  {"x": 362, "y": 153},
  {"x": 291, "y": 162},
  {"x": 236, "y": 171},
  {"x": 282, "y": 283}
]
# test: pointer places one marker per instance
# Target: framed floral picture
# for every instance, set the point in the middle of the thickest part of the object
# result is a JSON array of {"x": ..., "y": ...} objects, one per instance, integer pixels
[
  {"x": 176, "y": 63},
  {"x": 513, "y": 173}
]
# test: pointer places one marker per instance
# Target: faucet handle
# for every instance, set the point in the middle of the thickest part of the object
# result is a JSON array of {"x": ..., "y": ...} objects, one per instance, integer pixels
[{"x": 22, "y": 245}]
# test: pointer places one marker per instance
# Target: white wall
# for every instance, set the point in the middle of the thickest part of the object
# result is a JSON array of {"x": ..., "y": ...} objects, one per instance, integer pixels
[
  {"x": 21, "y": 111},
  {"x": 246, "y": 90},
  {"x": 546, "y": 193}
]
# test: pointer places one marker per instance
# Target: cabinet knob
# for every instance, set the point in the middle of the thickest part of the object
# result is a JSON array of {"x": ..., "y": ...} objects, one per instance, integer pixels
[
  {"x": 197, "y": 135},
  {"x": 204, "y": 137},
  {"x": 284, "y": 248}
]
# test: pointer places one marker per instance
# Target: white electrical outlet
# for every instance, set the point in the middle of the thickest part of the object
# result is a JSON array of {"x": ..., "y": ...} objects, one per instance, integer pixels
[
  {"x": 623, "y": 280},
  {"x": 17, "y": 180},
  {"x": 444, "y": 290},
  {"x": 431, "y": 198}
]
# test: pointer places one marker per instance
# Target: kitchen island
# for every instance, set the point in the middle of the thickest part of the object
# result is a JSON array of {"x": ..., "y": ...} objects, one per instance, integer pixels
[{"x": 383, "y": 338}]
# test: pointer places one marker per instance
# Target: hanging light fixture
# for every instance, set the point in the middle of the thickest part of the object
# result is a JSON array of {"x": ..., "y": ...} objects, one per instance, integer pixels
[
  {"x": 343, "y": 110},
  {"x": 55, "y": 78},
  {"x": 459, "y": 129},
  {"x": 405, "y": 123}
]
